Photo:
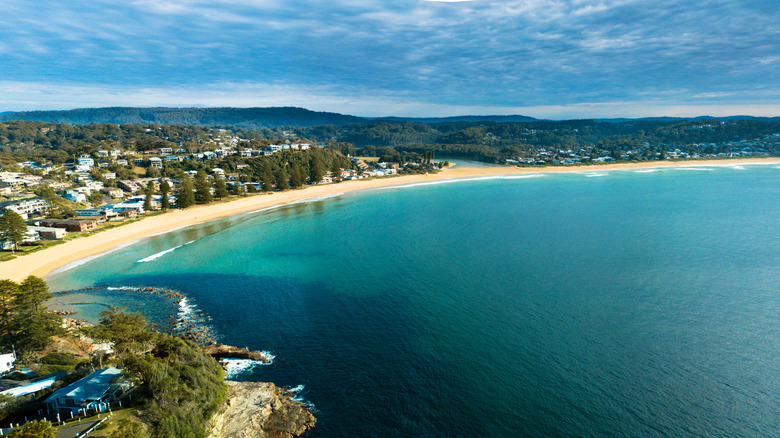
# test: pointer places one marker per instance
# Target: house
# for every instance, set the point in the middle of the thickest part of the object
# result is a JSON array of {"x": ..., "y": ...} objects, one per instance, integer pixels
[
  {"x": 129, "y": 213},
  {"x": 138, "y": 206},
  {"x": 113, "y": 192},
  {"x": 87, "y": 162},
  {"x": 49, "y": 233},
  {"x": 129, "y": 185},
  {"x": 7, "y": 362},
  {"x": 98, "y": 211},
  {"x": 90, "y": 394},
  {"x": 26, "y": 207},
  {"x": 73, "y": 225},
  {"x": 75, "y": 196},
  {"x": 156, "y": 162}
]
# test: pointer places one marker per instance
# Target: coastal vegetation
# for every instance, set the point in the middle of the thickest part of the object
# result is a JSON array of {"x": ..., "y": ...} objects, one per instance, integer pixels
[
  {"x": 177, "y": 387},
  {"x": 24, "y": 324}
]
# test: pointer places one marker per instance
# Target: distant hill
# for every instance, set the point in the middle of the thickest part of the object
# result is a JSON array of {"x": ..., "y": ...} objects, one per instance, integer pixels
[
  {"x": 496, "y": 119},
  {"x": 241, "y": 117},
  {"x": 680, "y": 119}
]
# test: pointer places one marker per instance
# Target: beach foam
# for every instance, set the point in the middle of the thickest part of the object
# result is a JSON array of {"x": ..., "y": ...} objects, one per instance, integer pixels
[
  {"x": 457, "y": 180},
  {"x": 594, "y": 175},
  {"x": 694, "y": 168},
  {"x": 297, "y": 390},
  {"x": 162, "y": 253},
  {"x": 236, "y": 367},
  {"x": 647, "y": 170},
  {"x": 80, "y": 262}
]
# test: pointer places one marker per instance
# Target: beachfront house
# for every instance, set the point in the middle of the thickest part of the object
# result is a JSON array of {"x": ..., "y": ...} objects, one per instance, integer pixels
[
  {"x": 49, "y": 233},
  {"x": 90, "y": 394},
  {"x": 72, "y": 225}
]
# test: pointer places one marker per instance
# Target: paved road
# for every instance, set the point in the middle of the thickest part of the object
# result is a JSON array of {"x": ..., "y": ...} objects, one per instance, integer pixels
[{"x": 71, "y": 430}]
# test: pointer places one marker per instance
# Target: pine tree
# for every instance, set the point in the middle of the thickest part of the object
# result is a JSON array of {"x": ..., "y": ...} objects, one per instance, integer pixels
[
  {"x": 33, "y": 327},
  {"x": 149, "y": 196},
  {"x": 266, "y": 176},
  {"x": 185, "y": 197},
  {"x": 165, "y": 188},
  {"x": 12, "y": 228},
  {"x": 8, "y": 292},
  {"x": 281, "y": 179},
  {"x": 316, "y": 172},
  {"x": 335, "y": 169},
  {"x": 220, "y": 188},
  {"x": 296, "y": 175},
  {"x": 202, "y": 188}
]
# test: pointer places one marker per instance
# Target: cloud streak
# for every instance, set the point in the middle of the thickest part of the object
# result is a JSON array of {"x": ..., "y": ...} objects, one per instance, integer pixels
[{"x": 429, "y": 54}]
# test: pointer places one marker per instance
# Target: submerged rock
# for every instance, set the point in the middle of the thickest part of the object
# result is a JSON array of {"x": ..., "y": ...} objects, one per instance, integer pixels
[
  {"x": 260, "y": 409},
  {"x": 228, "y": 351}
]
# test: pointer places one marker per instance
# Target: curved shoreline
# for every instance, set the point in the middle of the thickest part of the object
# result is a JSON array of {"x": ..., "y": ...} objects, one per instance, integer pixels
[{"x": 43, "y": 262}]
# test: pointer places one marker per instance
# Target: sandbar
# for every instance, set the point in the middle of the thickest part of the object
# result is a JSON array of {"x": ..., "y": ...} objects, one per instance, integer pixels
[{"x": 45, "y": 261}]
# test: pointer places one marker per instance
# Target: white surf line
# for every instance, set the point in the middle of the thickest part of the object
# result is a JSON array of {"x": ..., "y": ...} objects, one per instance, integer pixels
[
  {"x": 162, "y": 253},
  {"x": 80, "y": 262},
  {"x": 456, "y": 180}
]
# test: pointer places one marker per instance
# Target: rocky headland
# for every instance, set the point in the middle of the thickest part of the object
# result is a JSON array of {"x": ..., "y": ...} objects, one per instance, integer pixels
[
  {"x": 260, "y": 409},
  {"x": 222, "y": 351}
]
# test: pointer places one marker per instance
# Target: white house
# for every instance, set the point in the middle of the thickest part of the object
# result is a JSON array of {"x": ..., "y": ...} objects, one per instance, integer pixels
[
  {"x": 7, "y": 362},
  {"x": 86, "y": 162}
]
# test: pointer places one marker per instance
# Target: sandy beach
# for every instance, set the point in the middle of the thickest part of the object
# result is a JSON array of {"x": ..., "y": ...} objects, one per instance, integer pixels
[{"x": 43, "y": 262}]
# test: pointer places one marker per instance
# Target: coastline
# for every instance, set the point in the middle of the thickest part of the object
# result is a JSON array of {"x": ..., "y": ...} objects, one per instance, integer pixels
[{"x": 43, "y": 262}]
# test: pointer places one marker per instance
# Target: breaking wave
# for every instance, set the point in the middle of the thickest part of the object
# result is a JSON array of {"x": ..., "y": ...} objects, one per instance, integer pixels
[{"x": 162, "y": 253}]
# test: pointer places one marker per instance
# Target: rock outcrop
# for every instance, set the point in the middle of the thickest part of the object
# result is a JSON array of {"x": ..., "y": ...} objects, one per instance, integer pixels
[
  {"x": 263, "y": 410},
  {"x": 222, "y": 351}
]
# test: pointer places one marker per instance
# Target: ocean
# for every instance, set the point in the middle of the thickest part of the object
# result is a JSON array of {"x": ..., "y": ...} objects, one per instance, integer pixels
[{"x": 602, "y": 303}]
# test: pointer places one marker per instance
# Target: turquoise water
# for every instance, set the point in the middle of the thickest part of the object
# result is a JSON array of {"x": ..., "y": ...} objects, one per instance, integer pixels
[{"x": 623, "y": 303}]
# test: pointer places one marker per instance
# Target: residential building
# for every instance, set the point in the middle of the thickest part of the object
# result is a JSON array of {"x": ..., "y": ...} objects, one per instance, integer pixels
[
  {"x": 49, "y": 233},
  {"x": 7, "y": 362},
  {"x": 90, "y": 394},
  {"x": 26, "y": 207},
  {"x": 72, "y": 225}
]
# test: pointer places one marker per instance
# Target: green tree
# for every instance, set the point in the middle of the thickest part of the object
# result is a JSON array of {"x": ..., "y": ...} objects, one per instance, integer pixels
[
  {"x": 316, "y": 170},
  {"x": 32, "y": 327},
  {"x": 281, "y": 179},
  {"x": 185, "y": 196},
  {"x": 148, "y": 196},
  {"x": 9, "y": 290},
  {"x": 202, "y": 188},
  {"x": 95, "y": 198},
  {"x": 12, "y": 228},
  {"x": 33, "y": 429},
  {"x": 335, "y": 169},
  {"x": 165, "y": 189},
  {"x": 220, "y": 188},
  {"x": 266, "y": 176},
  {"x": 297, "y": 177},
  {"x": 33, "y": 292}
]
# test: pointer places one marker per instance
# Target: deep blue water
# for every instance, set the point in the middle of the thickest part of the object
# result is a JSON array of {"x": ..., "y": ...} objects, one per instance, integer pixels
[{"x": 616, "y": 303}]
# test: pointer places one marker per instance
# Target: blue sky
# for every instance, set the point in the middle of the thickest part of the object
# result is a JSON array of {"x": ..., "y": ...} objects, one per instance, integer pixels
[{"x": 543, "y": 58}]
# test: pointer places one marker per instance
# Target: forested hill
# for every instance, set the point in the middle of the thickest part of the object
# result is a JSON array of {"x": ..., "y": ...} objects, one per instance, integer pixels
[
  {"x": 252, "y": 118},
  {"x": 495, "y": 119}
]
